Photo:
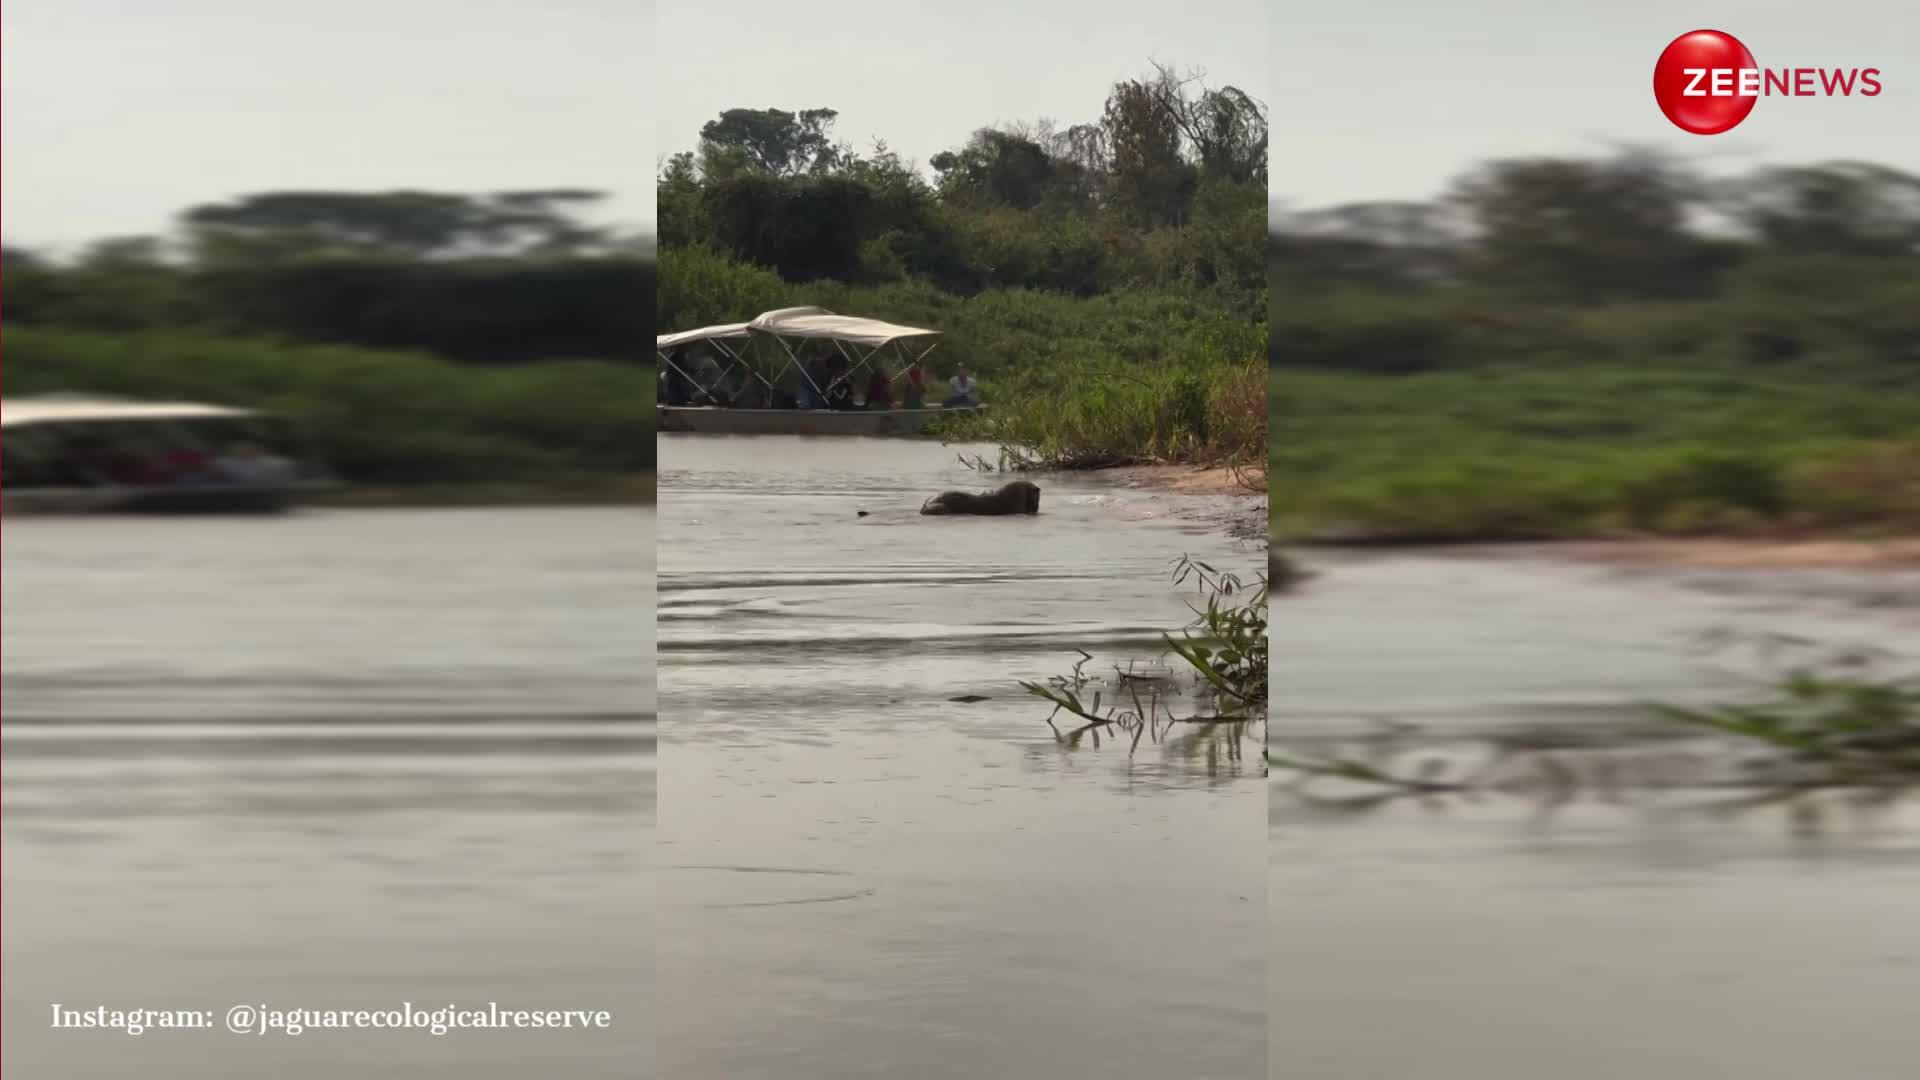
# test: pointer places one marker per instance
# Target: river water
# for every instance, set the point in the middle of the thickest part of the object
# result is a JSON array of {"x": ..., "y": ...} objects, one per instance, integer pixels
[
  {"x": 860, "y": 876},
  {"x": 1482, "y": 942},
  {"x": 332, "y": 760}
]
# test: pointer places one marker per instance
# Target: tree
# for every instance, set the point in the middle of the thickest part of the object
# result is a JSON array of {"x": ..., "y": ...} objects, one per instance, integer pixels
[
  {"x": 539, "y": 222},
  {"x": 415, "y": 223},
  {"x": 400, "y": 224},
  {"x": 996, "y": 168},
  {"x": 772, "y": 141},
  {"x": 1590, "y": 230},
  {"x": 1150, "y": 180},
  {"x": 676, "y": 196},
  {"x": 1225, "y": 130},
  {"x": 1381, "y": 243},
  {"x": 1834, "y": 208}
]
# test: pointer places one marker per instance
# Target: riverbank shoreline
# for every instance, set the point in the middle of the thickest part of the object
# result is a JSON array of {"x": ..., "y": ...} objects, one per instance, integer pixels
[
  {"x": 1244, "y": 519},
  {"x": 1706, "y": 553},
  {"x": 637, "y": 490},
  {"x": 1902, "y": 553},
  {"x": 1182, "y": 479}
]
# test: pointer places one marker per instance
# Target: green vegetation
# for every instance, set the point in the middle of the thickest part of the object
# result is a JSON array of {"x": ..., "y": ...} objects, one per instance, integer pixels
[
  {"x": 447, "y": 346},
  {"x": 1567, "y": 348},
  {"x": 1590, "y": 450},
  {"x": 1845, "y": 731},
  {"x": 1103, "y": 282},
  {"x": 1089, "y": 416}
]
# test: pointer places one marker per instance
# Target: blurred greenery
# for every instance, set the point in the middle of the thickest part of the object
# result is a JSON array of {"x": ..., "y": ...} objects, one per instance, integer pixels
[
  {"x": 1579, "y": 347},
  {"x": 421, "y": 338}
]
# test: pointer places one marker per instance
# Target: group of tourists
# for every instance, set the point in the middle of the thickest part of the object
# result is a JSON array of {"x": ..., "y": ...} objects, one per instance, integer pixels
[
  {"x": 130, "y": 462},
  {"x": 826, "y": 382}
]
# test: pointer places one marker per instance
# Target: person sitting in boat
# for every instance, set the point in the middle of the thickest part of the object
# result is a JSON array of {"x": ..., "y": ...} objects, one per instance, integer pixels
[
  {"x": 92, "y": 463},
  {"x": 187, "y": 465},
  {"x": 965, "y": 391},
  {"x": 916, "y": 386},
  {"x": 840, "y": 394},
  {"x": 751, "y": 395},
  {"x": 813, "y": 380},
  {"x": 679, "y": 388},
  {"x": 879, "y": 390},
  {"x": 250, "y": 464},
  {"x": 706, "y": 378},
  {"x": 726, "y": 387}
]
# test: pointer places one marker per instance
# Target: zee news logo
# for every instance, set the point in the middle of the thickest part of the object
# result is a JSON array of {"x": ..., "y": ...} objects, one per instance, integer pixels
[{"x": 1706, "y": 82}]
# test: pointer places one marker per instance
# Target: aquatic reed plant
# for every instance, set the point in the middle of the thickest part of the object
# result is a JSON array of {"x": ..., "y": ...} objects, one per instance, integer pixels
[
  {"x": 1209, "y": 703},
  {"x": 1835, "y": 726}
]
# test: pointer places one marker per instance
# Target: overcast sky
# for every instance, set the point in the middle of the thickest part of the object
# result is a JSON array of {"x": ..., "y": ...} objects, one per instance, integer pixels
[
  {"x": 1388, "y": 99},
  {"x": 120, "y": 113},
  {"x": 924, "y": 75}
]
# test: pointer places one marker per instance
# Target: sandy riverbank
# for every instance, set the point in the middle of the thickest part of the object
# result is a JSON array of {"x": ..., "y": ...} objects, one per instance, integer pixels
[
  {"x": 1184, "y": 479},
  {"x": 1727, "y": 553},
  {"x": 1244, "y": 516},
  {"x": 1740, "y": 554}
]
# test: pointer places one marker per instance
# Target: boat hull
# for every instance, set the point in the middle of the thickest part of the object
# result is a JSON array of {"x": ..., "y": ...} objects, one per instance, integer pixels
[
  {"x": 877, "y": 422},
  {"x": 224, "y": 499}
]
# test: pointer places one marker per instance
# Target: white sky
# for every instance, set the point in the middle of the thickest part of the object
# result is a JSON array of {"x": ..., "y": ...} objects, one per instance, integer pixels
[
  {"x": 120, "y": 113},
  {"x": 1389, "y": 99}
]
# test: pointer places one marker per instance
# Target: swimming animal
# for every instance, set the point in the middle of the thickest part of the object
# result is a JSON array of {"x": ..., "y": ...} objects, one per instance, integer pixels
[{"x": 1018, "y": 497}]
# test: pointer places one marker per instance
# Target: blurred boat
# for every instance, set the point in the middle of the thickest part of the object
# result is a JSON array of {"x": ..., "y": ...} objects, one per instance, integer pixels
[{"x": 70, "y": 454}]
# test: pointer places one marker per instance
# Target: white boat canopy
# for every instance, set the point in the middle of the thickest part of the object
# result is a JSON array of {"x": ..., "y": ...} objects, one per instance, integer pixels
[
  {"x": 860, "y": 341},
  {"x": 62, "y": 410},
  {"x": 705, "y": 333},
  {"x": 816, "y": 323}
]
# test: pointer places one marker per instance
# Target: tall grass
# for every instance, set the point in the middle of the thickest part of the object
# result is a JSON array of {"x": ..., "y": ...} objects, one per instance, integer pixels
[
  {"x": 1499, "y": 452},
  {"x": 1091, "y": 416}
]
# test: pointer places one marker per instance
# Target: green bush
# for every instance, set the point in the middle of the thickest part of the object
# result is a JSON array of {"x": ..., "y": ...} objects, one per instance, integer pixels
[{"x": 1505, "y": 452}]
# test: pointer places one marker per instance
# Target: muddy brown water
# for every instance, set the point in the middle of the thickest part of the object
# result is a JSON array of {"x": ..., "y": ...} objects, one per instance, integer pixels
[
  {"x": 1482, "y": 942},
  {"x": 861, "y": 876}
]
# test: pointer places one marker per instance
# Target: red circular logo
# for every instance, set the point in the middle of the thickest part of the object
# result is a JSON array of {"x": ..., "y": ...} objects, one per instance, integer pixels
[{"x": 1699, "y": 84}]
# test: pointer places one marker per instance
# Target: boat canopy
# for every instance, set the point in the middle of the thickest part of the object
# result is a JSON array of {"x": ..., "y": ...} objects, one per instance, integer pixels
[
  {"x": 16, "y": 412},
  {"x": 788, "y": 312},
  {"x": 817, "y": 323},
  {"x": 860, "y": 342},
  {"x": 705, "y": 333}
]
